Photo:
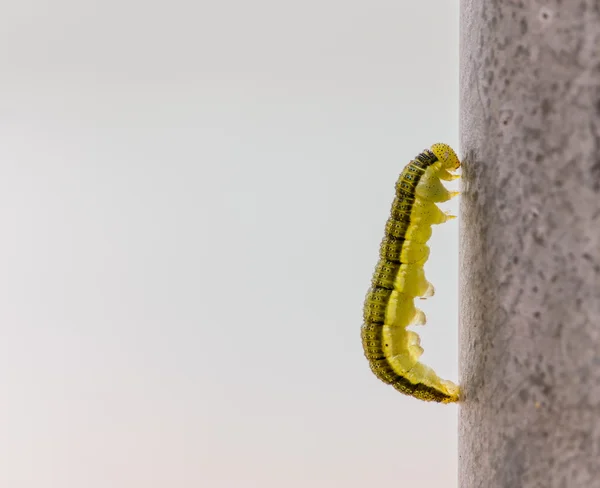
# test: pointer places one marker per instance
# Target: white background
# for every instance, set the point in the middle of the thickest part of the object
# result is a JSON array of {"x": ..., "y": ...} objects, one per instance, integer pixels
[{"x": 192, "y": 196}]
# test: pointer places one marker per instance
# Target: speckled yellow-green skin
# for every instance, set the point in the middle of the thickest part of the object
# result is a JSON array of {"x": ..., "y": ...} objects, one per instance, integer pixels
[{"x": 392, "y": 350}]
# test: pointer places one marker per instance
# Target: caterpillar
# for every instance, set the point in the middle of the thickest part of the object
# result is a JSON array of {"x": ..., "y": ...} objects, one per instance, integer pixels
[{"x": 392, "y": 350}]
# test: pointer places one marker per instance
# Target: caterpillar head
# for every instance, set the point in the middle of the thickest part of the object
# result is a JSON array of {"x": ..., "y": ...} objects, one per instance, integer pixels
[{"x": 446, "y": 155}]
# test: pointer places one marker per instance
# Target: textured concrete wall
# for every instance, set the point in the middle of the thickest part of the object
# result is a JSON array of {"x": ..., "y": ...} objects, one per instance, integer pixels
[{"x": 530, "y": 244}]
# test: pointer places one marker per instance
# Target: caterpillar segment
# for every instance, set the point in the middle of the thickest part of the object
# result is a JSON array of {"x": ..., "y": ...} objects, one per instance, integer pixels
[{"x": 393, "y": 351}]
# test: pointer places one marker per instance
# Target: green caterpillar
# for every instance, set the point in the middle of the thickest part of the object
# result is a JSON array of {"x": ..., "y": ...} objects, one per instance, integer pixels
[{"x": 392, "y": 350}]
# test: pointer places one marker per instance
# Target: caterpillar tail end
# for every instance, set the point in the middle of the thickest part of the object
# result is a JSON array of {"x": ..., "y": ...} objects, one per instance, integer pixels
[{"x": 452, "y": 390}]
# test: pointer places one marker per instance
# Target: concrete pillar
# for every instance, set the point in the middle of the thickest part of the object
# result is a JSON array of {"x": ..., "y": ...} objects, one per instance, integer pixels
[{"x": 530, "y": 244}]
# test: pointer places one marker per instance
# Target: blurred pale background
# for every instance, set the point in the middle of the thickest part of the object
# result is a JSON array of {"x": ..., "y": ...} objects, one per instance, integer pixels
[{"x": 192, "y": 196}]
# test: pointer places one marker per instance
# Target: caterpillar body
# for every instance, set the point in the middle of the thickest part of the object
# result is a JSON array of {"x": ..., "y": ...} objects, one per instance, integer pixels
[{"x": 392, "y": 350}]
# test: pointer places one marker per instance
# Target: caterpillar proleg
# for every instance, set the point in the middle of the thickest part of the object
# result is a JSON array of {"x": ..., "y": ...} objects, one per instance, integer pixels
[{"x": 392, "y": 350}]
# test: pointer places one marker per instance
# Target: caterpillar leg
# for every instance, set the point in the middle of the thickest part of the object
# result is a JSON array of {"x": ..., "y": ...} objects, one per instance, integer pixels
[
  {"x": 425, "y": 214},
  {"x": 419, "y": 318},
  {"x": 428, "y": 293},
  {"x": 402, "y": 348},
  {"x": 414, "y": 344},
  {"x": 411, "y": 280},
  {"x": 445, "y": 175},
  {"x": 401, "y": 311},
  {"x": 431, "y": 188}
]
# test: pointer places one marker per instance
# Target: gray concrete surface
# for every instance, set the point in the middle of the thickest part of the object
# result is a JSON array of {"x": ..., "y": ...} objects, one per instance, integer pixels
[{"x": 530, "y": 244}]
